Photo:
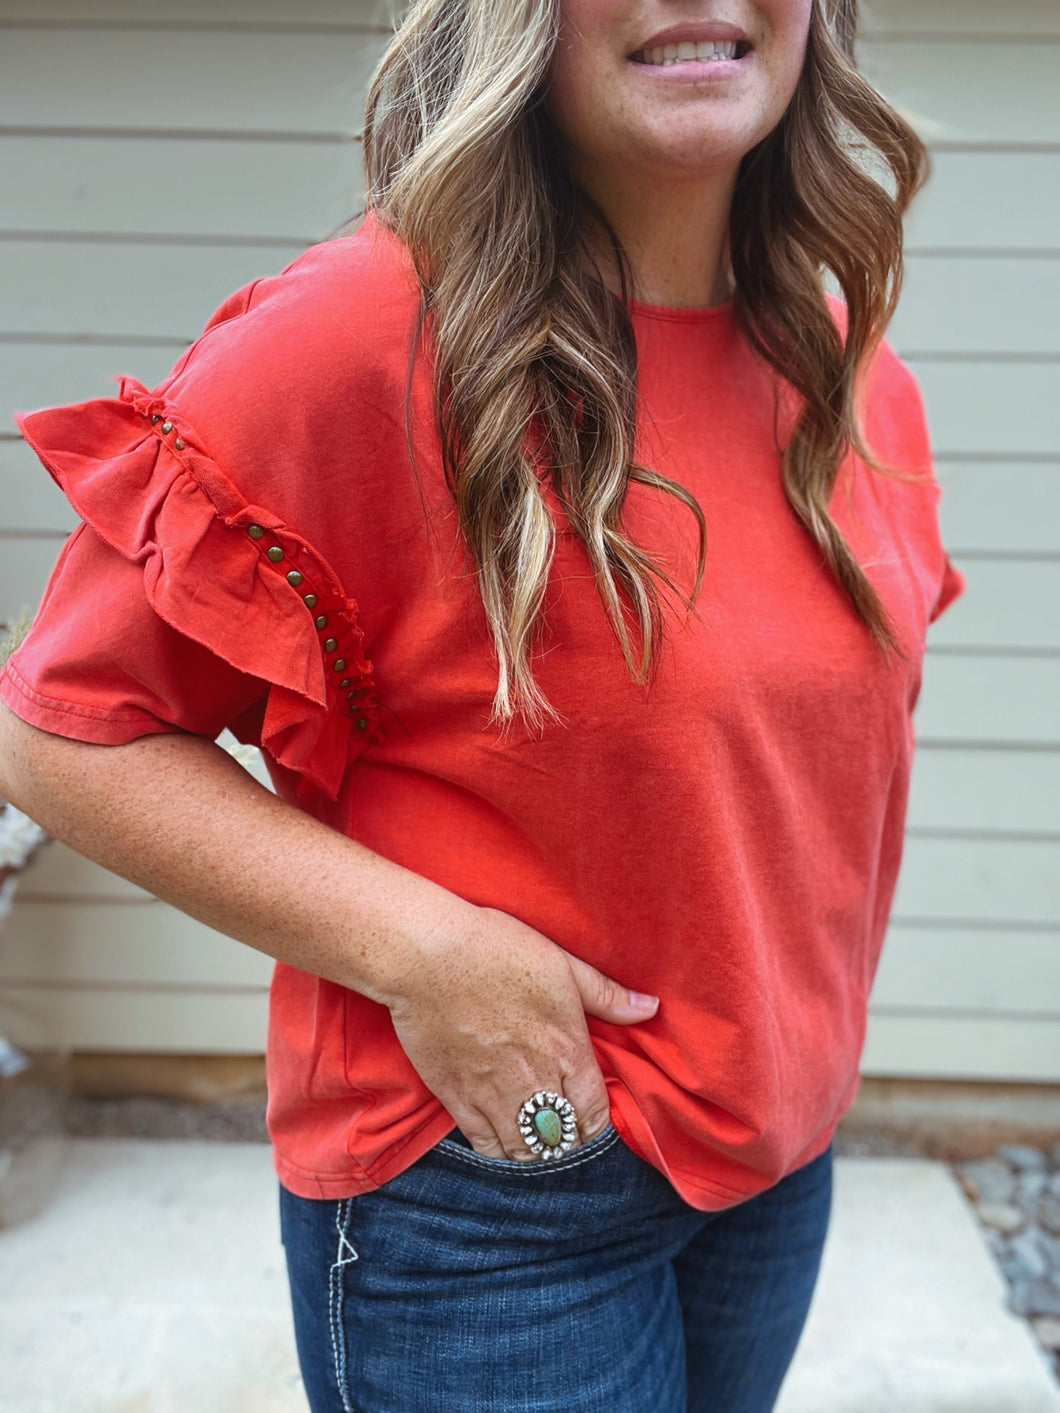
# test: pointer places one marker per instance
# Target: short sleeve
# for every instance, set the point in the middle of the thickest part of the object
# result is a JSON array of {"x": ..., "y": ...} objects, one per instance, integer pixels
[
  {"x": 952, "y": 586},
  {"x": 899, "y": 433},
  {"x": 100, "y": 665},
  {"x": 184, "y": 602}
]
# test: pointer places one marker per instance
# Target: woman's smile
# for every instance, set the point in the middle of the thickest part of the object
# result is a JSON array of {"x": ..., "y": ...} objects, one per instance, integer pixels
[
  {"x": 652, "y": 90},
  {"x": 694, "y": 53}
]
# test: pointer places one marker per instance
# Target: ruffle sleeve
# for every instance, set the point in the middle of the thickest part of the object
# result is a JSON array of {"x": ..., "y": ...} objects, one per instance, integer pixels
[{"x": 227, "y": 574}]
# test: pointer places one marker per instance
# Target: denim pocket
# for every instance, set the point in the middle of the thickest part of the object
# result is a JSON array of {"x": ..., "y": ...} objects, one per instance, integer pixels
[{"x": 535, "y": 1167}]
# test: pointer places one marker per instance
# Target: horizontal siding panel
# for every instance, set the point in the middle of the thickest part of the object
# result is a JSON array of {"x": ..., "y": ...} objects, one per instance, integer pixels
[
  {"x": 978, "y": 17},
  {"x": 997, "y": 699},
  {"x": 968, "y": 305},
  {"x": 1009, "y": 603},
  {"x": 301, "y": 191},
  {"x": 298, "y": 192},
  {"x": 148, "y": 943},
  {"x": 1007, "y": 791},
  {"x": 24, "y": 568},
  {"x": 968, "y": 1048},
  {"x": 199, "y": 80},
  {"x": 115, "y": 289},
  {"x": 989, "y": 200},
  {"x": 979, "y": 880},
  {"x": 336, "y": 13},
  {"x": 1000, "y": 506},
  {"x": 124, "y": 290},
  {"x": 982, "y": 17},
  {"x": 939, "y": 84},
  {"x": 43, "y": 375},
  {"x": 31, "y": 499},
  {"x": 950, "y": 969},
  {"x": 992, "y": 407},
  {"x": 159, "y": 1022}
]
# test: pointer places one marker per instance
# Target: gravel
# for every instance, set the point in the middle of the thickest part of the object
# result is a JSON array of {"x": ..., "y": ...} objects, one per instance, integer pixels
[{"x": 1016, "y": 1195}]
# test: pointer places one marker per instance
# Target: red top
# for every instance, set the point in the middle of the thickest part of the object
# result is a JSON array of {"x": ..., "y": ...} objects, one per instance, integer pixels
[{"x": 727, "y": 838}]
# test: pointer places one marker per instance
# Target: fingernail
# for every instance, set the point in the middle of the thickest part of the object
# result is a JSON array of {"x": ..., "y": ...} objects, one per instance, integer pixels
[{"x": 642, "y": 1002}]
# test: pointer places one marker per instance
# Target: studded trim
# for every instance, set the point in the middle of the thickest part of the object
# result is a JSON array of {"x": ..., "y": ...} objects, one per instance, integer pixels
[{"x": 313, "y": 588}]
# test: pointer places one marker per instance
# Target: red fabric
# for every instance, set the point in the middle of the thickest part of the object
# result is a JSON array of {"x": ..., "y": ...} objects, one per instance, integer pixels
[{"x": 727, "y": 837}]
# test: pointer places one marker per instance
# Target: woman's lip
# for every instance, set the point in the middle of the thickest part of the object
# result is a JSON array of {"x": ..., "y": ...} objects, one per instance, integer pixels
[
  {"x": 695, "y": 70},
  {"x": 704, "y": 32}
]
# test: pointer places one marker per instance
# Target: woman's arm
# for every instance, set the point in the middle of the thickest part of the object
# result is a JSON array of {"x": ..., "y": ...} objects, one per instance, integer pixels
[{"x": 487, "y": 1009}]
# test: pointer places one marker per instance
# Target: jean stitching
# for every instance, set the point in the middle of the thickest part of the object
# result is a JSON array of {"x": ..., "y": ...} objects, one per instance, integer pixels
[
  {"x": 344, "y": 1254},
  {"x": 528, "y": 1169}
]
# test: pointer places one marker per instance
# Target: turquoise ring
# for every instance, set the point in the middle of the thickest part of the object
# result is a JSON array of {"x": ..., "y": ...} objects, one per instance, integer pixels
[{"x": 548, "y": 1124}]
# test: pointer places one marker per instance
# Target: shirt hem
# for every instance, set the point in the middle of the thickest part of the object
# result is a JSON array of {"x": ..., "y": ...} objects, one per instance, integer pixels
[{"x": 302, "y": 1182}]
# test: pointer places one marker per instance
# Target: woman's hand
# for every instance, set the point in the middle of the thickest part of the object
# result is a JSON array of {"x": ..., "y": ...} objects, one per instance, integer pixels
[{"x": 493, "y": 1017}]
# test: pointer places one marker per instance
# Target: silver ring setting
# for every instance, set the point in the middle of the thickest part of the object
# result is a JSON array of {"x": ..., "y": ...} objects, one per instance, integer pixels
[{"x": 548, "y": 1124}]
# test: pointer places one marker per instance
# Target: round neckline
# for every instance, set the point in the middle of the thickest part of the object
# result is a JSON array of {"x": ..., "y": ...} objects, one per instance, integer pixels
[{"x": 696, "y": 314}]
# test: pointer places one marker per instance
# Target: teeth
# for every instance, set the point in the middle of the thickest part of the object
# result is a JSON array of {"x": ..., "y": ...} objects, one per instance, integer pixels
[{"x": 706, "y": 50}]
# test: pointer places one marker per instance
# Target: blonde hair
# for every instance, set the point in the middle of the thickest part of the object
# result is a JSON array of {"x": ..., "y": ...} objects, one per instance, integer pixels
[{"x": 464, "y": 166}]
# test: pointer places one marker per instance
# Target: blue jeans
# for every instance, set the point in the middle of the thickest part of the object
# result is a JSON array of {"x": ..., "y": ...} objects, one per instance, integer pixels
[{"x": 483, "y": 1285}]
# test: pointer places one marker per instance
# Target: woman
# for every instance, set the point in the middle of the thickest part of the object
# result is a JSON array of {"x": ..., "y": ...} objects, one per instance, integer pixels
[{"x": 570, "y": 555}]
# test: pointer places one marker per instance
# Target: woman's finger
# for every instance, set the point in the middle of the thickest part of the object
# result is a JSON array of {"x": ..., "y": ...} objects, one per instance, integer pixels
[{"x": 606, "y": 999}]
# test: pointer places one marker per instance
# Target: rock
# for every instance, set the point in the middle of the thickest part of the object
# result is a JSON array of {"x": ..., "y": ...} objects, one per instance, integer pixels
[
  {"x": 1030, "y": 1185},
  {"x": 987, "y": 1180},
  {"x": 1047, "y": 1328},
  {"x": 1049, "y": 1213},
  {"x": 1050, "y": 1247},
  {"x": 1026, "y": 1257},
  {"x": 1035, "y": 1298},
  {"x": 1002, "y": 1216},
  {"x": 997, "y": 1243},
  {"x": 1023, "y": 1157},
  {"x": 1054, "y": 1156},
  {"x": 1053, "y": 1184}
]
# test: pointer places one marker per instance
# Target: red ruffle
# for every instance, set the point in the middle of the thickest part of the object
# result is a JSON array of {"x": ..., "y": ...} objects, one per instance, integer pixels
[{"x": 227, "y": 574}]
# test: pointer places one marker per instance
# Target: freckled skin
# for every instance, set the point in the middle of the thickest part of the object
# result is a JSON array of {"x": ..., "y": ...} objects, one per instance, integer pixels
[
  {"x": 609, "y": 115},
  {"x": 660, "y": 158}
]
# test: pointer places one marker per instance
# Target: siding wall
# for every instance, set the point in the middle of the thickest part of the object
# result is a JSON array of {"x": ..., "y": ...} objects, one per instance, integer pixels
[{"x": 153, "y": 157}]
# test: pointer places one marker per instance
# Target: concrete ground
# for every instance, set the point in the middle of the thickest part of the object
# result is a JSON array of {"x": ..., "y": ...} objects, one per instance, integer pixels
[{"x": 154, "y": 1283}]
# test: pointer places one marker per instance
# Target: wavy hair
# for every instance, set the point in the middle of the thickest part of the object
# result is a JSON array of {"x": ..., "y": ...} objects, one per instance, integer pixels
[{"x": 534, "y": 360}]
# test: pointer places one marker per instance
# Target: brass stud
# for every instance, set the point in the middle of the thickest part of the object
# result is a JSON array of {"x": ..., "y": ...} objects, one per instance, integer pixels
[
  {"x": 310, "y": 600},
  {"x": 322, "y": 621},
  {"x": 275, "y": 553},
  {"x": 255, "y": 532},
  {"x": 345, "y": 683},
  {"x": 351, "y": 696},
  {"x": 155, "y": 418},
  {"x": 339, "y": 664},
  {"x": 330, "y": 644},
  {"x": 362, "y": 724},
  {"x": 294, "y": 579},
  {"x": 167, "y": 426},
  {"x": 179, "y": 444}
]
